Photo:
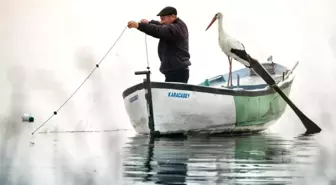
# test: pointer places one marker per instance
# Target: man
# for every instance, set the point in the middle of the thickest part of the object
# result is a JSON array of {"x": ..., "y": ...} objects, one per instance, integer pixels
[{"x": 173, "y": 48}]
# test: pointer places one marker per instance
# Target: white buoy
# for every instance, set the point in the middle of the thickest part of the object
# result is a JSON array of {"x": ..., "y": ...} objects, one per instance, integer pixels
[{"x": 27, "y": 118}]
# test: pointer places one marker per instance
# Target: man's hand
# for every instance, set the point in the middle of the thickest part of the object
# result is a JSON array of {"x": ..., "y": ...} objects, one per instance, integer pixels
[
  {"x": 133, "y": 24},
  {"x": 144, "y": 21}
]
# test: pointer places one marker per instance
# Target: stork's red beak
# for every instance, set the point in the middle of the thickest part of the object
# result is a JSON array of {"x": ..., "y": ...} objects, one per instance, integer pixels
[{"x": 213, "y": 20}]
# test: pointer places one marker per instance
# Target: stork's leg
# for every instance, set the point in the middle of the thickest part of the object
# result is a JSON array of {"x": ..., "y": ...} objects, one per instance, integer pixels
[
  {"x": 230, "y": 71},
  {"x": 229, "y": 76}
]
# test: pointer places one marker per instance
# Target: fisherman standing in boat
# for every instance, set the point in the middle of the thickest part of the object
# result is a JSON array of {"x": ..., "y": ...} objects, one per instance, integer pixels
[{"x": 173, "y": 48}]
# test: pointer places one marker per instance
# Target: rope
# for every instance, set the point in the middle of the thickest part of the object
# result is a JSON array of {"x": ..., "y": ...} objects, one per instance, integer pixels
[
  {"x": 147, "y": 52},
  {"x": 75, "y": 131},
  {"x": 97, "y": 66}
]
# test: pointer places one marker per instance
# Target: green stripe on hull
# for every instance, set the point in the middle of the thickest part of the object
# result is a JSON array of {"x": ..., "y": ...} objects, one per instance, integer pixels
[{"x": 259, "y": 109}]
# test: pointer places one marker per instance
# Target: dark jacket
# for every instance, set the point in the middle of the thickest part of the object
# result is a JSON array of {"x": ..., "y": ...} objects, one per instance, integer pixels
[{"x": 173, "y": 48}]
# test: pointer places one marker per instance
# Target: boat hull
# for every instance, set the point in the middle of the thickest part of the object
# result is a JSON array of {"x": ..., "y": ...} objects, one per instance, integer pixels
[{"x": 183, "y": 108}]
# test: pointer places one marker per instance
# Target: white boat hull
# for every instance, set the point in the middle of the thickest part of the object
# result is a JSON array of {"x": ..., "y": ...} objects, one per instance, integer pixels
[{"x": 181, "y": 108}]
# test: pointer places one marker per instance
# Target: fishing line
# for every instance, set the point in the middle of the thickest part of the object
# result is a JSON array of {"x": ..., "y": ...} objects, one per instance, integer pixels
[
  {"x": 59, "y": 132},
  {"x": 97, "y": 66},
  {"x": 147, "y": 52}
]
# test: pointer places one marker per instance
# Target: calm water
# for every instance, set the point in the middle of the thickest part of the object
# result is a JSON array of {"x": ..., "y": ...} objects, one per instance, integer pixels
[
  {"x": 126, "y": 158},
  {"x": 254, "y": 159}
]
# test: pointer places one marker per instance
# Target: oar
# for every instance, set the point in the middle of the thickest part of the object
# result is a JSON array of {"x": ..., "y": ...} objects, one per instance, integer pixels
[{"x": 311, "y": 127}]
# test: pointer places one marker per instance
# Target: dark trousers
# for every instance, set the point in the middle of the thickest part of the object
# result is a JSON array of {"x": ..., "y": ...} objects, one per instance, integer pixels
[{"x": 181, "y": 75}]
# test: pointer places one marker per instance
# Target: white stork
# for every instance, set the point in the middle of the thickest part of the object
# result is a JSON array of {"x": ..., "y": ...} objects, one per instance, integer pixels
[
  {"x": 230, "y": 46},
  {"x": 234, "y": 49}
]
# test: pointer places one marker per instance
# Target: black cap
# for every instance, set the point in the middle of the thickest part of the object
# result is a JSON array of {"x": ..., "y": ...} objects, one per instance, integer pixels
[{"x": 167, "y": 11}]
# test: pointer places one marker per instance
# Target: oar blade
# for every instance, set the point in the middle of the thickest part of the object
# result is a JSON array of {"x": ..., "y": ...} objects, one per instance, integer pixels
[{"x": 311, "y": 127}]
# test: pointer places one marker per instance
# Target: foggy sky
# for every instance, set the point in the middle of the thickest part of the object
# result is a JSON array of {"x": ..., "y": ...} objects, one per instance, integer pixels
[
  {"x": 56, "y": 44},
  {"x": 48, "y": 47}
]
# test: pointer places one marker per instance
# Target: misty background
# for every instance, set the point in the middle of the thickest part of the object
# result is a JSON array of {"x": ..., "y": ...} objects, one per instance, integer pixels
[{"x": 48, "y": 47}]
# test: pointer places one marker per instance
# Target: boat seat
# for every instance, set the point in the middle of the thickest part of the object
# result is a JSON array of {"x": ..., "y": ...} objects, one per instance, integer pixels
[
  {"x": 213, "y": 81},
  {"x": 270, "y": 67}
]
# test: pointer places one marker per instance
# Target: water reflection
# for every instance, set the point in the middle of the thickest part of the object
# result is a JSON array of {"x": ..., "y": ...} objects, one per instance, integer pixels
[
  {"x": 104, "y": 158},
  {"x": 253, "y": 159}
]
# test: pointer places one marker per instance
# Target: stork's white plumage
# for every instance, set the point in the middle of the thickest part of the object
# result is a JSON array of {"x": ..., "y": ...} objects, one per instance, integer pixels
[{"x": 230, "y": 46}]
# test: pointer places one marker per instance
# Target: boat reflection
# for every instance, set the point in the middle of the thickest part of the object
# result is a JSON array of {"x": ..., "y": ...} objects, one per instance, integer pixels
[{"x": 253, "y": 159}]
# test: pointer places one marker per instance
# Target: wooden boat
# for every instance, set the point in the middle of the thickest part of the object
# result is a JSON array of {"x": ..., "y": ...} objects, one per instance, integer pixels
[{"x": 249, "y": 105}]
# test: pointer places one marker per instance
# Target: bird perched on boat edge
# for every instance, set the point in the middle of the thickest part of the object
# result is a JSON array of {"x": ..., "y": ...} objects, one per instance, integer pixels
[{"x": 233, "y": 48}]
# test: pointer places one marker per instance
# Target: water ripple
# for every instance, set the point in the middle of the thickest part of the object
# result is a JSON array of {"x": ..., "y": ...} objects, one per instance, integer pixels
[{"x": 254, "y": 159}]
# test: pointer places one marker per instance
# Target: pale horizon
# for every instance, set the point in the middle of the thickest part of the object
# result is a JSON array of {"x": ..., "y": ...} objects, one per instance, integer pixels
[{"x": 48, "y": 48}]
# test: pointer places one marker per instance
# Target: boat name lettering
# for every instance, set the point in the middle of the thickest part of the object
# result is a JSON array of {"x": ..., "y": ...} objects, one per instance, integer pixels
[
  {"x": 178, "y": 95},
  {"x": 132, "y": 99}
]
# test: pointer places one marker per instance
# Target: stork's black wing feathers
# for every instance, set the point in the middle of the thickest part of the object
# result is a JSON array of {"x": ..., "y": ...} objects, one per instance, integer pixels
[
  {"x": 255, "y": 65},
  {"x": 242, "y": 54}
]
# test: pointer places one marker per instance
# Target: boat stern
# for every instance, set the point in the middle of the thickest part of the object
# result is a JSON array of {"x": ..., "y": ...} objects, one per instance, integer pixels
[{"x": 136, "y": 108}]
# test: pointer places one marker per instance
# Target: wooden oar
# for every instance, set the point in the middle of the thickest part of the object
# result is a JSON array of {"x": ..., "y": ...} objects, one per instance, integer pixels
[{"x": 311, "y": 127}]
